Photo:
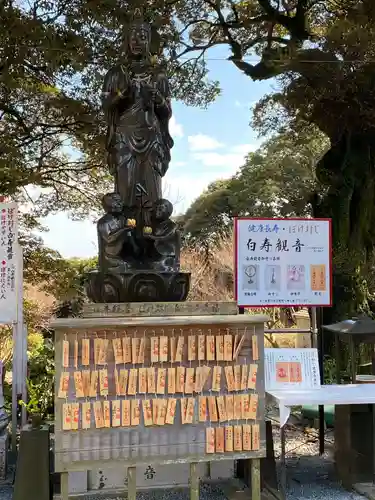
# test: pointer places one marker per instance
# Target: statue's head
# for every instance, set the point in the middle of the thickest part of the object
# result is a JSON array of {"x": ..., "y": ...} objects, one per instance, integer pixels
[
  {"x": 139, "y": 37},
  {"x": 162, "y": 210},
  {"x": 112, "y": 203}
]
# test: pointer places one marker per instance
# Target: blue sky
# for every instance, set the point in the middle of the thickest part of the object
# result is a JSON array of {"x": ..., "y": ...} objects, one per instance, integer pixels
[{"x": 209, "y": 144}]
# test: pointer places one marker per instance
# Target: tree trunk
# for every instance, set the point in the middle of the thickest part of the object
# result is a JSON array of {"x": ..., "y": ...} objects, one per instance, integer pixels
[{"x": 347, "y": 172}]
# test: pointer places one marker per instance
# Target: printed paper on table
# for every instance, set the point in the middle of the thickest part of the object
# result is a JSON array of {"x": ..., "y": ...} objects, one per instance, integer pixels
[{"x": 291, "y": 368}]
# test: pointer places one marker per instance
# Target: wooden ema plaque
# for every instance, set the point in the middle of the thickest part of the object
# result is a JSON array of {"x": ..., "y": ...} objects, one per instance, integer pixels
[{"x": 158, "y": 390}]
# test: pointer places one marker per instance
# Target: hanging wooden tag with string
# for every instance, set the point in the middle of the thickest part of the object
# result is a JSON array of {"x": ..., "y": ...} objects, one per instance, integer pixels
[
  {"x": 219, "y": 439},
  {"x": 86, "y": 415}
]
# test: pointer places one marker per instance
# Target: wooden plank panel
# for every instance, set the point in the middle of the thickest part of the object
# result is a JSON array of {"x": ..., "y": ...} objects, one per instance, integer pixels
[{"x": 156, "y": 444}]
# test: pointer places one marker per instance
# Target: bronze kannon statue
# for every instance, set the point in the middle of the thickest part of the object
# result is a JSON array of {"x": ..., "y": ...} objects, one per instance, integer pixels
[
  {"x": 137, "y": 106},
  {"x": 139, "y": 244}
]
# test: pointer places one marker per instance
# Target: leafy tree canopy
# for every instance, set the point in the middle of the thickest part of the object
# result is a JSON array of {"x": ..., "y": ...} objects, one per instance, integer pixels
[
  {"x": 322, "y": 52},
  {"x": 276, "y": 180},
  {"x": 53, "y": 56}
]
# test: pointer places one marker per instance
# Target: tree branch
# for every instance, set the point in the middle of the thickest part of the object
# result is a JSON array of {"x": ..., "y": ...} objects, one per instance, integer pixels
[
  {"x": 235, "y": 46},
  {"x": 295, "y": 25},
  {"x": 309, "y": 63},
  {"x": 192, "y": 23},
  {"x": 9, "y": 110}
]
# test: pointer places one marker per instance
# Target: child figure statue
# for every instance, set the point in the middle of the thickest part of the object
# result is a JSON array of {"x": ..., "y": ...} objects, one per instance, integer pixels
[
  {"x": 165, "y": 237},
  {"x": 118, "y": 250}
]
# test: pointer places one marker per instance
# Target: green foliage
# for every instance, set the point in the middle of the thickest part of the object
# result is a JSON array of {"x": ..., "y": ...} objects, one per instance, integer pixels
[
  {"x": 322, "y": 53},
  {"x": 53, "y": 56},
  {"x": 41, "y": 379},
  {"x": 329, "y": 369},
  {"x": 69, "y": 282},
  {"x": 52, "y": 59},
  {"x": 209, "y": 215},
  {"x": 276, "y": 180},
  {"x": 67, "y": 287},
  {"x": 41, "y": 373},
  {"x": 51, "y": 273}
]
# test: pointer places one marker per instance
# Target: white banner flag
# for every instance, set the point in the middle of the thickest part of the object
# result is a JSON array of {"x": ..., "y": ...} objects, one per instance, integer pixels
[{"x": 8, "y": 262}]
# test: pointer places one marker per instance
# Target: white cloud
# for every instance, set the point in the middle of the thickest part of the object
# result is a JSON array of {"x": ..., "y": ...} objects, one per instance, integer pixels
[
  {"x": 176, "y": 130},
  {"x": 213, "y": 159},
  {"x": 232, "y": 160},
  {"x": 82, "y": 241},
  {"x": 182, "y": 192},
  {"x": 201, "y": 142},
  {"x": 178, "y": 186},
  {"x": 244, "y": 148},
  {"x": 245, "y": 105}
]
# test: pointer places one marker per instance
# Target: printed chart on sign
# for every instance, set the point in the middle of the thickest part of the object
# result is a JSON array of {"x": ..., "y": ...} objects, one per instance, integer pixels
[
  {"x": 283, "y": 262},
  {"x": 291, "y": 368},
  {"x": 183, "y": 394}
]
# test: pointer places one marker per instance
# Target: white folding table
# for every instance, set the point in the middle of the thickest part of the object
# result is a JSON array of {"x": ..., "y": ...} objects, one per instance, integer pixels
[{"x": 323, "y": 395}]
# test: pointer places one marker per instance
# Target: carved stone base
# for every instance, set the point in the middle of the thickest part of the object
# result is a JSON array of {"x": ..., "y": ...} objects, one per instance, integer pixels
[{"x": 137, "y": 286}]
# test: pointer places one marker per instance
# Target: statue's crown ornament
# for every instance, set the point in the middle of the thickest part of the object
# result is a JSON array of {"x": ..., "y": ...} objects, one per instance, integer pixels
[{"x": 138, "y": 20}]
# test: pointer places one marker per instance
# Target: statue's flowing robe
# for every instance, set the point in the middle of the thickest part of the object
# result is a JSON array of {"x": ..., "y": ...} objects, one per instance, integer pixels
[{"x": 138, "y": 139}]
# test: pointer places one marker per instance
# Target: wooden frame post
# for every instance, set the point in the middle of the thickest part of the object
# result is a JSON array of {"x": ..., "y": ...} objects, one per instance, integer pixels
[
  {"x": 64, "y": 480},
  {"x": 194, "y": 481},
  {"x": 255, "y": 479},
  {"x": 132, "y": 483}
]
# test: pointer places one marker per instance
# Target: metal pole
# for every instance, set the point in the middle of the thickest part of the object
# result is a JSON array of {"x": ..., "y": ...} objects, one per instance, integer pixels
[
  {"x": 241, "y": 468},
  {"x": 353, "y": 361},
  {"x": 283, "y": 479},
  {"x": 24, "y": 376},
  {"x": 19, "y": 347},
  {"x": 314, "y": 328},
  {"x": 20, "y": 327},
  {"x": 317, "y": 342},
  {"x": 14, "y": 391},
  {"x": 21, "y": 338}
]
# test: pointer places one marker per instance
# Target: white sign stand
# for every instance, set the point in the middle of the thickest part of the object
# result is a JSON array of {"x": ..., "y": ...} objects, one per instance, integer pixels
[
  {"x": 283, "y": 262},
  {"x": 11, "y": 304}
]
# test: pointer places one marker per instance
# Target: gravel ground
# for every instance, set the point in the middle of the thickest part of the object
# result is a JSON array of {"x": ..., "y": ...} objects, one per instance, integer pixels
[
  {"x": 207, "y": 492},
  {"x": 312, "y": 478},
  {"x": 309, "y": 476}
]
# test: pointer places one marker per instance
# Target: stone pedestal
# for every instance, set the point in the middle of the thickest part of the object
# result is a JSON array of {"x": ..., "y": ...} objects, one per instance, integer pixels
[
  {"x": 4, "y": 445},
  {"x": 137, "y": 286},
  {"x": 33, "y": 465}
]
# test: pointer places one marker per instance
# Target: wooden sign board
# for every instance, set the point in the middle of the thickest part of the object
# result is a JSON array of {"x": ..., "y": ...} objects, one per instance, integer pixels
[
  {"x": 135, "y": 394},
  {"x": 131, "y": 309}
]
